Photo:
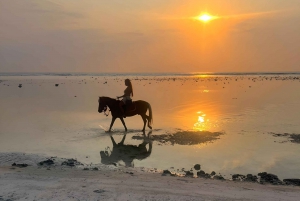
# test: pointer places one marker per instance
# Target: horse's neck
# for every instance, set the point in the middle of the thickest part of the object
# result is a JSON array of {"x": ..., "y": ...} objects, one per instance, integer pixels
[{"x": 110, "y": 101}]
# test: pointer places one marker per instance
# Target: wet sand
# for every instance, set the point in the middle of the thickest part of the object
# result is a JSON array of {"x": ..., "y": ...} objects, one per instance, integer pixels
[{"x": 228, "y": 124}]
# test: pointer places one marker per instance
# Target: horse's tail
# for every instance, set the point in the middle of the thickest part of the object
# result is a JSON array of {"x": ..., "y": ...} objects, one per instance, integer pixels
[{"x": 150, "y": 114}]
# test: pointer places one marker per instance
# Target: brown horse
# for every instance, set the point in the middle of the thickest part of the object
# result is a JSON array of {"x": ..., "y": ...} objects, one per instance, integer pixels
[{"x": 137, "y": 107}]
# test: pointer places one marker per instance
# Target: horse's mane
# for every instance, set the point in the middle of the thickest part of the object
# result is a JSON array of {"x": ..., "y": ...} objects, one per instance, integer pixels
[{"x": 108, "y": 98}]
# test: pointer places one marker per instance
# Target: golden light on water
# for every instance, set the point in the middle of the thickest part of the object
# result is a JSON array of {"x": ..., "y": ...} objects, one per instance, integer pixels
[{"x": 201, "y": 124}]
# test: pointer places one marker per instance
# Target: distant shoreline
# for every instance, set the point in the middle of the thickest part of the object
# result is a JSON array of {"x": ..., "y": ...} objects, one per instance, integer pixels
[{"x": 187, "y": 74}]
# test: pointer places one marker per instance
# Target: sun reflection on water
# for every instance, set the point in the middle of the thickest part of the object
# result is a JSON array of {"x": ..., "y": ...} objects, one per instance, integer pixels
[{"x": 202, "y": 123}]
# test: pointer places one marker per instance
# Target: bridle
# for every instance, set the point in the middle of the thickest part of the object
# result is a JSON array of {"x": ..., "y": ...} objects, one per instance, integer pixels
[{"x": 104, "y": 111}]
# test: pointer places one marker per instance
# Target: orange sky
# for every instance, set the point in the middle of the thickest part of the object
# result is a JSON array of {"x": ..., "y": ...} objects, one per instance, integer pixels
[{"x": 149, "y": 36}]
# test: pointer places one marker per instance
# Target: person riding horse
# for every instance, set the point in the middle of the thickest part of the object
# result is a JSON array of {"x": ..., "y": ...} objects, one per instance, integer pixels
[
  {"x": 126, "y": 101},
  {"x": 117, "y": 111}
]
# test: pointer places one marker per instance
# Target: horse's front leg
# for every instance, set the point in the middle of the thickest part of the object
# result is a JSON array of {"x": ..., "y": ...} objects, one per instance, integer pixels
[
  {"x": 123, "y": 122},
  {"x": 112, "y": 123}
]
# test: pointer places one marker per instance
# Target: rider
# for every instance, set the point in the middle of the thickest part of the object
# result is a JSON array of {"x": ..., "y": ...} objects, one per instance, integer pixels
[{"x": 128, "y": 92}]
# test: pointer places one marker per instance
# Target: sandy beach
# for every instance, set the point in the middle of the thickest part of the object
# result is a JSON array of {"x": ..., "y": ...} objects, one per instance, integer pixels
[{"x": 55, "y": 182}]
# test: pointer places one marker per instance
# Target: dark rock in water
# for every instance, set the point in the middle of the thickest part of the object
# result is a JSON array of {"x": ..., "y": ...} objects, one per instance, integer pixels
[
  {"x": 71, "y": 162},
  {"x": 269, "y": 178},
  {"x": 238, "y": 177},
  {"x": 197, "y": 167},
  {"x": 19, "y": 165},
  {"x": 86, "y": 168},
  {"x": 47, "y": 162},
  {"x": 95, "y": 168},
  {"x": 295, "y": 182},
  {"x": 20, "y": 85},
  {"x": 56, "y": 85},
  {"x": 218, "y": 177},
  {"x": 213, "y": 173}
]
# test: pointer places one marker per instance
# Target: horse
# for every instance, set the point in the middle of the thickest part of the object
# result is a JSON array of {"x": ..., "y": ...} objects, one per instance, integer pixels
[
  {"x": 138, "y": 107},
  {"x": 126, "y": 152}
]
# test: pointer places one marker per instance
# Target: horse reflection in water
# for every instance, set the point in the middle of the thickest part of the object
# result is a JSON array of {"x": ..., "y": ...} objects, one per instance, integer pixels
[{"x": 126, "y": 153}]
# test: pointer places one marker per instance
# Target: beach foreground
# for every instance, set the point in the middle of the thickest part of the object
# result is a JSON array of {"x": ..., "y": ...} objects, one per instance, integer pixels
[{"x": 36, "y": 183}]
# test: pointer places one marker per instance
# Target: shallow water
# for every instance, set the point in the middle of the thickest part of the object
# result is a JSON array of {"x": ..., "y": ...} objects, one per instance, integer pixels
[{"x": 63, "y": 121}]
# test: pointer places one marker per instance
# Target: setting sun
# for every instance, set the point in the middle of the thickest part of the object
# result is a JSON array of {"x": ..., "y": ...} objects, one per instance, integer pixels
[{"x": 205, "y": 17}]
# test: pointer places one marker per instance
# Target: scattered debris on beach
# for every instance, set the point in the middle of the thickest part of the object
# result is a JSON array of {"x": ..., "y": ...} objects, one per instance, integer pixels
[{"x": 185, "y": 137}]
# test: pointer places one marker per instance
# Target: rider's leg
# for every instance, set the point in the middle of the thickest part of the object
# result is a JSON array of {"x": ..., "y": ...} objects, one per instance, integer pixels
[
  {"x": 121, "y": 105},
  {"x": 124, "y": 110}
]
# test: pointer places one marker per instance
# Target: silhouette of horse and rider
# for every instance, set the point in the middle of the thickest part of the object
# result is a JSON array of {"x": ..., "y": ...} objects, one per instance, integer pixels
[
  {"x": 126, "y": 107},
  {"x": 126, "y": 152}
]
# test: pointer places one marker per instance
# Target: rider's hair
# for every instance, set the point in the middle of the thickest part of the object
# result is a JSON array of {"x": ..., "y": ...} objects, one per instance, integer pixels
[{"x": 129, "y": 84}]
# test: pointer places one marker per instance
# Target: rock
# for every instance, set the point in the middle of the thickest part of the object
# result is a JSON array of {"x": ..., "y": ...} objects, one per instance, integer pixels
[
  {"x": 95, "y": 168},
  {"x": 189, "y": 173},
  {"x": 166, "y": 172},
  {"x": 71, "y": 162},
  {"x": 251, "y": 178},
  {"x": 200, "y": 173},
  {"x": 99, "y": 191},
  {"x": 218, "y": 177},
  {"x": 20, "y": 85},
  {"x": 56, "y": 85},
  {"x": 238, "y": 177},
  {"x": 295, "y": 182},
  {"x": 19, "y": 165},
  {"x": 197, "y": 167},
  {"x": 47, "y": 162},
  {"x": 269, "y": 178},
  {"x": 213, "y": 173},
  {"x": 86, "y": 168}
]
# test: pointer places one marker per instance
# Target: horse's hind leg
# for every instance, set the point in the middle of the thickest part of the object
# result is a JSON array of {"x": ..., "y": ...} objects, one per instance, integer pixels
[
  {"x": 145, "y": 120},
  {"x": 148, "y": 118}
]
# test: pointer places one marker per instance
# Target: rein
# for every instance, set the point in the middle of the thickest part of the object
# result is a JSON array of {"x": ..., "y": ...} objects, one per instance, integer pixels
[{"x": 104, "y": 111}]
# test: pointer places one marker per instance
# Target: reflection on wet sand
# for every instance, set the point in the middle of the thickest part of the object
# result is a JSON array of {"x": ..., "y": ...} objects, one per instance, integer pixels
[{"x": 127, "y": 152}]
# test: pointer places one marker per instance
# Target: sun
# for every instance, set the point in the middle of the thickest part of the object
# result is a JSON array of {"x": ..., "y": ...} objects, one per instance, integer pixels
[{"x": 205, "y": 17}]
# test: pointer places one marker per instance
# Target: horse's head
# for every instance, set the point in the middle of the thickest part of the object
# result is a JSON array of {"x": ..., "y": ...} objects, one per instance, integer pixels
[{"x": 102, "y": 105}]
